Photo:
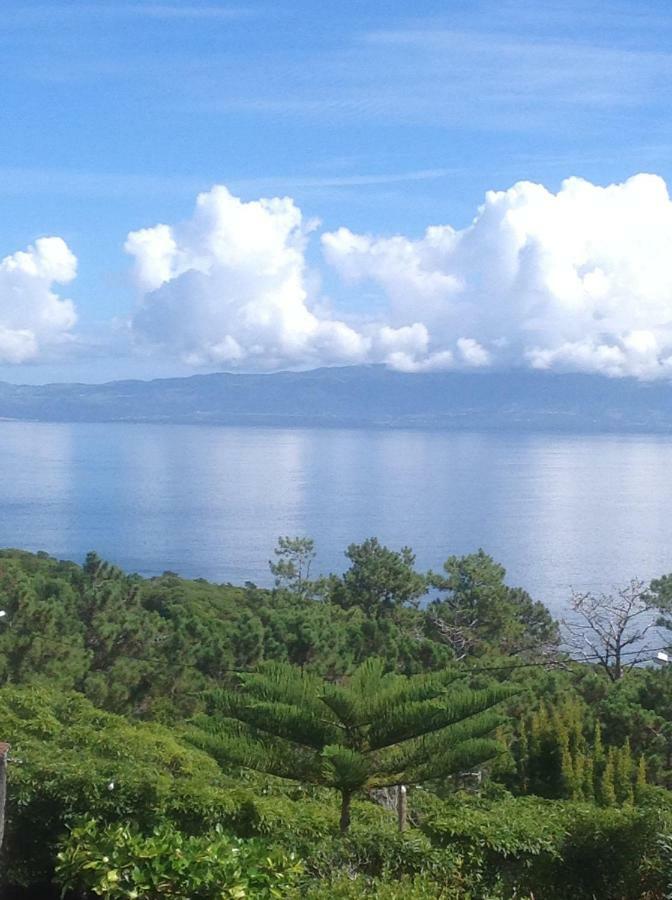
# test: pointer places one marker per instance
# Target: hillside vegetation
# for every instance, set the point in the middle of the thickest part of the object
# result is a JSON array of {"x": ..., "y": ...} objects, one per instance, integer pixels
[{"x": 384, "y": 733}]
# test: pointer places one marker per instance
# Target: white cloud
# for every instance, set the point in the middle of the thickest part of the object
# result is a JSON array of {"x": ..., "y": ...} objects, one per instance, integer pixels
[
  {"x": 578, "y": 280},
  {"x": 32, "y": 317},
  {"x": 472, "y": 353},
  {"x": 228, "y": 287},
  {"x": 433, "y": 362}
]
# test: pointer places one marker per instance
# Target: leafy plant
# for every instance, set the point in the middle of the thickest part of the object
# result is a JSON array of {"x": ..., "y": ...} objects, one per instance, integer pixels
[
  {"x": 377, "y": 729},
  {"x": 554, "y": 849},
  {"x": 120, "y": 863},
  {"x": 70, "y": 759}
]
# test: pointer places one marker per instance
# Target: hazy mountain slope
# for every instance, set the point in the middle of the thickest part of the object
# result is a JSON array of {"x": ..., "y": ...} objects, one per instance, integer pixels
[{"x": 358, "y": 396}]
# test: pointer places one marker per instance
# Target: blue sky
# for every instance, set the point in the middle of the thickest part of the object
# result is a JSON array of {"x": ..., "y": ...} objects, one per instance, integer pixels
[{"x": 381, "y": 117}]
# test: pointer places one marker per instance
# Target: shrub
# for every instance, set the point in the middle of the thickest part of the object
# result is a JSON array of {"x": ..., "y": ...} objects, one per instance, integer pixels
[
  {"x": 371, "y": 851},
  {"x": 119, "y": 863},
  {"x": 71, "y": 760},
  {"x": 406, "y": 888},
  {"x": 555, "y": 849}
]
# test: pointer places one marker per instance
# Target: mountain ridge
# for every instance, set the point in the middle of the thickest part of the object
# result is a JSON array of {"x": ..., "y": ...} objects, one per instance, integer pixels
[{"x": 358, "y": 396}]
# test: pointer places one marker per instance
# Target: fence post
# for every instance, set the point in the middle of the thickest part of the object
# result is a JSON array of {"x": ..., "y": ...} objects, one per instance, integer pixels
[{"x": 401, "y": 807}]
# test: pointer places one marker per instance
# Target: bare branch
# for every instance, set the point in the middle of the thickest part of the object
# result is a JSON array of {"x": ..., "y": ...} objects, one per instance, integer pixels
[{"x": 609, "y": 624}]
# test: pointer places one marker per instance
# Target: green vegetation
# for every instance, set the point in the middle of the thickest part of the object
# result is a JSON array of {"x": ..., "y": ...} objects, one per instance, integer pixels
[
  {"x": 175, "y": 738},
  {"x": 376, "y": 730},
  {"x": 118, "y": 862}
]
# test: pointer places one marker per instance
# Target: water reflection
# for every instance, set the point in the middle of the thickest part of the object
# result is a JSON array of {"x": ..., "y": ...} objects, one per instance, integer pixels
[{"x": 556, "y": 510}]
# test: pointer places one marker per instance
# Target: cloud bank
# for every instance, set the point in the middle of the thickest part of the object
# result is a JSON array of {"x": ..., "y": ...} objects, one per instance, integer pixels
[
  {"x": 34, "y": 319},
  {"x": 229, "y": 288},
  {"x": 578, "y": 280}
]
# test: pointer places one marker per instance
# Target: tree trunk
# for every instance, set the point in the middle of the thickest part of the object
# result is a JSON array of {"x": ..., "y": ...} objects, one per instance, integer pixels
[
  {"x": 618, "y": 669},
  {"x": 345, "y": 811},
  {"x": 402, "y": 806},
  {"x": 4, "y": 749}
]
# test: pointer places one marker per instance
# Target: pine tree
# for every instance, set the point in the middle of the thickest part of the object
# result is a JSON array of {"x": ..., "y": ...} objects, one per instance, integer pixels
[
  {"x": 607, "y": 782},
  {"x": 376, "y": 730},
  {"x": 624, "y": 771},
  {"x": 555, "y": 758},
  {"x": 579, "y": 768},
  {"x": 640, "y": 782},
  {"x": 589, "y": 778},
  {"x": 291, "y": 569},
  {"x": 598, "y": 747},
  {"x": 523, "y": 757},
  {"x": 567, "y": 776},
  {"x": 544, "y": 755}
]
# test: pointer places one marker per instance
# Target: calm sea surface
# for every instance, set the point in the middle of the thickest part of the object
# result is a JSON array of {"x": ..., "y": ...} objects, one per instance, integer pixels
[{"x": 557, "y": 511}]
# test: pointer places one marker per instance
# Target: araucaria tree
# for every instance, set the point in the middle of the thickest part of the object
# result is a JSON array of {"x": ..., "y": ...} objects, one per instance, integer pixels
[{"x": 374, "y": 730}]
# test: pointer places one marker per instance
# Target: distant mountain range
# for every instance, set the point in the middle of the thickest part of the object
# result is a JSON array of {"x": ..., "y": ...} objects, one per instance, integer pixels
[{"x": 359, "y": 396}]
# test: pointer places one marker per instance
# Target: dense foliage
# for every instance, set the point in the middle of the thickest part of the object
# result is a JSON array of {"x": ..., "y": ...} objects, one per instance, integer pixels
[
  {"x": 378, "y": 729},
  {"x": 122, "y": 864},
  {"x": 179, "y": 738}
]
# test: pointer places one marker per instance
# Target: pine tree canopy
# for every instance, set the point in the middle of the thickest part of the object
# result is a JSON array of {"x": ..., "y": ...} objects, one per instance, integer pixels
[{"x": 376, "y": 729}]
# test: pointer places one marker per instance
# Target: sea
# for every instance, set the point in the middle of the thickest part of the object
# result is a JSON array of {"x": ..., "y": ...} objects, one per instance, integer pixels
[{"x": 560, "y": 512}]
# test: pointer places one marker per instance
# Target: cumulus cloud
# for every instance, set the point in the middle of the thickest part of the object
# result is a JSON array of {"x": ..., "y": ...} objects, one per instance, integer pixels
[
  {"x": 228, "y": 287},
  {"x": 33, "y": 318},
  {"x": 576, "y": 280}
]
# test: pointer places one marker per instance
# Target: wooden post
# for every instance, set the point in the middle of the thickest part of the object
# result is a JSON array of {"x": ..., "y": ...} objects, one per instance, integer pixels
[
  {"x": 4, "y": 750},
  {"x": 401, "y": 806},
  {"x": 345, "y": 811}
]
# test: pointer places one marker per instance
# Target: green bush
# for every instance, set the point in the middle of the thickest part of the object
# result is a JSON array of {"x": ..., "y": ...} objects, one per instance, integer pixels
[
  {"x": 612, "y": 853},
  {"x": 555, "y": 849},
  {"x": 373, "y": 851},
  {"x": 297, "y": 821},
  {"x": 406, "y": 888},
  {"x": 71, "y": 760},
  {"x": 119, "y": 863}
]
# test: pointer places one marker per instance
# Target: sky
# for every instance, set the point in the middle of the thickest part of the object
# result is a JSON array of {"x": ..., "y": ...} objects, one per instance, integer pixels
[{"x": 253, "y": 186}]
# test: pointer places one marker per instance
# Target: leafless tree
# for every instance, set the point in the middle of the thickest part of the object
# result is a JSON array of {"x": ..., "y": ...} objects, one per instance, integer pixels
[
  {"x": 458, "y": 636},
  {"x": 615, "y": 630}
]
